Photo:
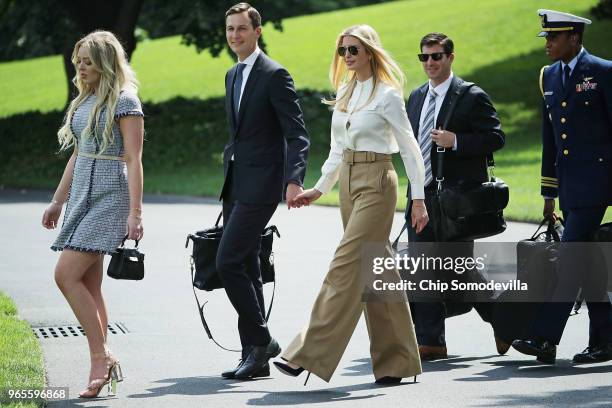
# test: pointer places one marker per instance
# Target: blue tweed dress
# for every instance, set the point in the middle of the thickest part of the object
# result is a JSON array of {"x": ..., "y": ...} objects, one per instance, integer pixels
[{"x": 98, "y": 202}]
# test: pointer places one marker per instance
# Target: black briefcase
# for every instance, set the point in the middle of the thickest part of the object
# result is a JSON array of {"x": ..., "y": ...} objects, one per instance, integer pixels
[
  {"x": 514, "y": 312},
  {"x": 455, "y": 303},
  {"x": 204, "y": 255}
]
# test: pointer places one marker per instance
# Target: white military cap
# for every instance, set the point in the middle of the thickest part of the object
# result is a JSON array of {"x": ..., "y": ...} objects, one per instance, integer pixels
[{"x": 558, "y": 21}]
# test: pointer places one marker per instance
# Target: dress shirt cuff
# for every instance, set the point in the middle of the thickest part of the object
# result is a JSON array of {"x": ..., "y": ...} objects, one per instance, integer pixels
[
  {"x": 296, "y": 182},
  {"x": 417, "y": 191},
  {"x": 324, "y": 184},
  {"x": 548, "y": 198},
  {"x": 455, "y": 144}
]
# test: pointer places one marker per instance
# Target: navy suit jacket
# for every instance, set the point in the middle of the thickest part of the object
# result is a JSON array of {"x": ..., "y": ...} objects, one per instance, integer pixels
[
  {"x": 577, "y": 133},
  {"x": 474, "y": 121},
  {"x": 269, "y": 141}
]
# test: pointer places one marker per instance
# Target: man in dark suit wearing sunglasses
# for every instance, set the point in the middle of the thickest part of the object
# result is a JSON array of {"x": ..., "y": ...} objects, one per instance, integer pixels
[{"x": 472, "y": 133}]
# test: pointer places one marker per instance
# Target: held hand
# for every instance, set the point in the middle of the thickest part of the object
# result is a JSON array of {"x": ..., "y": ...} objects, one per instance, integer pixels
[
  {"x": 134, "y": 227},
  {"x": 443, "y": 138},
  {"x": 308, "y": 196},
  {"x": 51, "y": 215},
  {"x": 419, "y": 215},
  {"x": 293, "y": 190},
  {"x": 549, "y": 209}
]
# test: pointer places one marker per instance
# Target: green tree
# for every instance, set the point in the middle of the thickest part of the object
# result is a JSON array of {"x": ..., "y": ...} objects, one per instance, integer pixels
[
  {"x": 48, "y": 27},
  {"x": 603, "y": 9}
]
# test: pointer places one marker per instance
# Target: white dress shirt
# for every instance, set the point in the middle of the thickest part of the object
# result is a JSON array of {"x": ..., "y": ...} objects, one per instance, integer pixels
[
  {"x": 249, "y": 62},
  {"x": 441, "y": 91},
  {"x": 380, "y": 125}
]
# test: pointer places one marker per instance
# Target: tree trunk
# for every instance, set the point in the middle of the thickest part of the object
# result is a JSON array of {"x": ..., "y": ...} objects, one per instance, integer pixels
[{"x": 117, "y": 16}]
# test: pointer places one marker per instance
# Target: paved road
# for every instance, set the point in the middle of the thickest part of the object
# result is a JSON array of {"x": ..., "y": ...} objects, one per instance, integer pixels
[{"x": 168, "y": 361}]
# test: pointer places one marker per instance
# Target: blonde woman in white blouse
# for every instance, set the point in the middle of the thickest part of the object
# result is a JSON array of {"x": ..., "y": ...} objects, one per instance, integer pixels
[{"x": 369, "y": 124}]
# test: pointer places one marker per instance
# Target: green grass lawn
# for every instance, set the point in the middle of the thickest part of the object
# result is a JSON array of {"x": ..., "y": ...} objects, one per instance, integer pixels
[
  {"x": 496, "y": 47},
  {"x": 21, "y": 362}
]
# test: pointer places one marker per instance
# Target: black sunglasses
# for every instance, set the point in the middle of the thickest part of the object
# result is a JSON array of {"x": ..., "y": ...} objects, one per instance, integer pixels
[
  {"x": 436, "y": 56},
  {"x": 352, "y": 49}
]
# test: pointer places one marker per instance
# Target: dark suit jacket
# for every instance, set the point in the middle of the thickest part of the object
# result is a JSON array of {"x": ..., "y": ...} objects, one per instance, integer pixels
[
  {"x": 269, "y": 141},
  {"x": 476, "y": 124},
  {"x": 577, "y": 134}
]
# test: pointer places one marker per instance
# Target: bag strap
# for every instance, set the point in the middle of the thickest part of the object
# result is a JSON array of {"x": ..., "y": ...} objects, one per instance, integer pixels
[
  {"x": 219, "y": 219},
  {"x": 201, "y": 307},
  {"x": 462, "y": 89},
  {"x": 552, "y": 231},
  {"x": 535, "y": 234},
  {"x": 404, "y": 228},
  {"x": 125, "y": 239}
]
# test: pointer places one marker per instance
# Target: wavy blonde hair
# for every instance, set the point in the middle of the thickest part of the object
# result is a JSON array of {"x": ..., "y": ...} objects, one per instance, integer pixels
[
  {"x": 108, "y": 58},
  {"x": 384, "y": 67}
]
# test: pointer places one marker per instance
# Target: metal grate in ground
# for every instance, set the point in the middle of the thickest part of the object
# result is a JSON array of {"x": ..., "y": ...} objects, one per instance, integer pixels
[{"x": 50, "y": 332}]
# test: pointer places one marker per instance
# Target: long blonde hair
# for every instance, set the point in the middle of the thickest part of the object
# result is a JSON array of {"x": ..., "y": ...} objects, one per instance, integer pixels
[
  {"x": 108, "y": 58},
  {"x": 384, "y": 67}
]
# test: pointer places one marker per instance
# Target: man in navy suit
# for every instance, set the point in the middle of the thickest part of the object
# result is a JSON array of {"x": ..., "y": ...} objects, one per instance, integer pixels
[
  {"x": 471, "y": 134},
  {"x": 264, "y": 160},
  {"x": 576, "y": 168}
]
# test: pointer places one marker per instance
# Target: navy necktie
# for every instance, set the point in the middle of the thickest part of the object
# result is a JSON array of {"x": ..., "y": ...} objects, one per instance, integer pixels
[
  {"x": 566, "y": 77},
  {"x": 236, "y": 90}
]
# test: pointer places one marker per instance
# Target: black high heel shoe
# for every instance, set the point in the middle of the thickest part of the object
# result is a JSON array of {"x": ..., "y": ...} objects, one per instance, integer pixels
[
  {"x": 290, "y": 371},
  {"x": 392, "y": 380}
]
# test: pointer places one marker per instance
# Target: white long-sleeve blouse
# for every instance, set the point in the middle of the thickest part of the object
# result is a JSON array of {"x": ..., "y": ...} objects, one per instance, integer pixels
[{"x": 381, "y": 126}]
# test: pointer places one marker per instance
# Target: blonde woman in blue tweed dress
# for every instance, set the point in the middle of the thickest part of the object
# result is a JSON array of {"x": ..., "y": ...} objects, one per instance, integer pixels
[{"x": 101, "y": 186}]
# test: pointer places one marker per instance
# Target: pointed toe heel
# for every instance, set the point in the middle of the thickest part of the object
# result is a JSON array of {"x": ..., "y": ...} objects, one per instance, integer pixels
[{"x": 290, "y": 371}]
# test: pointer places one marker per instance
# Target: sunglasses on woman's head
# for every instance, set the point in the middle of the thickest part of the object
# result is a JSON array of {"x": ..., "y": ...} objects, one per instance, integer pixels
[
  {"x": 352, "y": 49},
  {"x": 436, "y": 56}
]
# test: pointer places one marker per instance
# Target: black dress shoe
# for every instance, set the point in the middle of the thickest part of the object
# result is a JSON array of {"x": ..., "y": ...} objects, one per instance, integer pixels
[
  {"x": 545, "y": 351},
  {"x": 257, "y": 359},
  {"x": 597, "y": 354},
  {"x": 231, "y": 374}
]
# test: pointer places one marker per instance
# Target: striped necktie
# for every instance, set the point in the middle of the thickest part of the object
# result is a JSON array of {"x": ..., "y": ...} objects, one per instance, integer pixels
[{"x": 425, "y": 135}]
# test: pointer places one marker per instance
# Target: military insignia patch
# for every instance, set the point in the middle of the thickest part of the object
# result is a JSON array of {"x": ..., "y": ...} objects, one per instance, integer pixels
[{"x": 586, "y": 85}]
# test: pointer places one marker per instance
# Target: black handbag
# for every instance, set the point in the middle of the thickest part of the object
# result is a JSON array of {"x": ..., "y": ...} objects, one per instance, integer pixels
[
  {"x": 603, "y": 233},
  {"x": 204, "y": 274},
  {"x": 468, "y": 211},
  {"x": 126, "y": 263},
  {"x": 204, "y": 255}
]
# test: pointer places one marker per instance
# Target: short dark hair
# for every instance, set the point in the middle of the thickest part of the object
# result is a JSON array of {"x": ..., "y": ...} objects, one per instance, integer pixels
[
  {"x": 580, "y": 33},
  {"x": 241, "y": 8},
  {"x": 438, "y": 39}
]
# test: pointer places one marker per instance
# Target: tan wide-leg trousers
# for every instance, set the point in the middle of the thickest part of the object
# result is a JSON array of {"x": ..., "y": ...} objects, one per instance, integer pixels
[{"x": 368, "y": 194}]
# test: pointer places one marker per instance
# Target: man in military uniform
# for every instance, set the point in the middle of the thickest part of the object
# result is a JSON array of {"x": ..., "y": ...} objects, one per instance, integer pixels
[{"x": 576, "y": 168}]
